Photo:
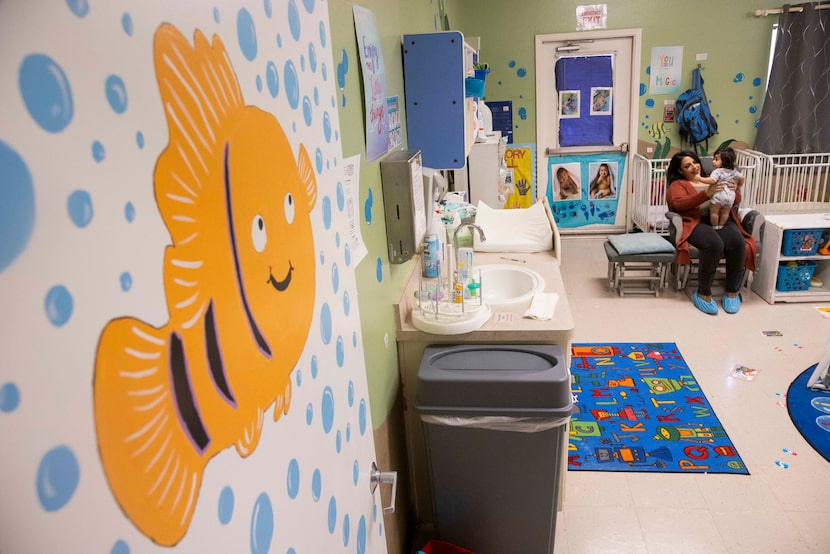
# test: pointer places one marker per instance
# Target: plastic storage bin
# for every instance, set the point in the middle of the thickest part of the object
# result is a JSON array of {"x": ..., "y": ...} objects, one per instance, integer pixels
[
  {"x": 495, "y": 421},
  {"x": 801, "y": 242},
  {"x": 796, "y": 277}
]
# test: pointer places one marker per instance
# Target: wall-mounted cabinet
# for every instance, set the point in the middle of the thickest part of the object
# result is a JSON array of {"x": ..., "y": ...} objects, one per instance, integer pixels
[
  {"x": 440, "y": 120},
  {"x": 773, "y": 281}
]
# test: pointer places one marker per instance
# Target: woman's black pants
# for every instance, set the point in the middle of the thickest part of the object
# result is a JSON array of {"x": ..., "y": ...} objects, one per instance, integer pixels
[{"x": 714, "y": 245}]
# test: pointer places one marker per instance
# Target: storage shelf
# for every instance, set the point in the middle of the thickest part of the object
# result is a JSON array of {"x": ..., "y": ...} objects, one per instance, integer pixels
[{"x": 764, "y": 283}]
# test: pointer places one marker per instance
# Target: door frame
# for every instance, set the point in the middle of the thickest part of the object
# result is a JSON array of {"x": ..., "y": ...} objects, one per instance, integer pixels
[{"x": 546, "y": 112}]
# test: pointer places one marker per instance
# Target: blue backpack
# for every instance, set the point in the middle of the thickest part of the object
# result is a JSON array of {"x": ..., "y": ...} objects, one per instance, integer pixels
[{"x": 693, "y": 116}]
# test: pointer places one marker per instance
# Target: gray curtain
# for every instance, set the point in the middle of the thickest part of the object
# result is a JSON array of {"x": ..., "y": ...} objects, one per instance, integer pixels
[{"x": 795, "y": 118}]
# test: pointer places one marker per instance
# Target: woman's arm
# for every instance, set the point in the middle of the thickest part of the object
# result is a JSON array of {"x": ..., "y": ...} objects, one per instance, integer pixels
[{"x": 681, "y": 196}]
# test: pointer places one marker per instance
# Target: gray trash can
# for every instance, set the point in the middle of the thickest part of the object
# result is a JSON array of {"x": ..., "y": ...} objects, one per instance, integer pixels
[{"x": 495, "y": 420}]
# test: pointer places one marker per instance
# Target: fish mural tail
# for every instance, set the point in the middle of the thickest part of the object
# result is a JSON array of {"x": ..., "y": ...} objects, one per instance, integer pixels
[{"x": 147, "y": 453}]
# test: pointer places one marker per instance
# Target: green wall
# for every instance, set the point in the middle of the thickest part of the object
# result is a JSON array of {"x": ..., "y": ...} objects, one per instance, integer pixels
[
  {"x": 735, "y": 41},
  {"x": 376, "y": 296}
]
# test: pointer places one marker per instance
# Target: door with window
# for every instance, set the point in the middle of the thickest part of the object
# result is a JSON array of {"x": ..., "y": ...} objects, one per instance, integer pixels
[{"x": 586, "y": 109}]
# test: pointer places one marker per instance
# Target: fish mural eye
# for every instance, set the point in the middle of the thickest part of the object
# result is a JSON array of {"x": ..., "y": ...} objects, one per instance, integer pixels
[
  {"x": 289, "y": 208},
  {"x": 259, "y": 235},
  {"x": 169, "y": 397}
]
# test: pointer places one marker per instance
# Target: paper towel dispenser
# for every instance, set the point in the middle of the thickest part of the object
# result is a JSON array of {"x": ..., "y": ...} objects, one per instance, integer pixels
[{"x": 401, "y": 176}]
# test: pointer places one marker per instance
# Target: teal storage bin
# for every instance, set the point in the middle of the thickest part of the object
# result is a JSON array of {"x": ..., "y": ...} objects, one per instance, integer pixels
[{"x": 793, "y": 278}]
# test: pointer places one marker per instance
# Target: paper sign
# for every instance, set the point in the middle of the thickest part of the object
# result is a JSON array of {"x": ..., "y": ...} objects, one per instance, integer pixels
[
  {"x": 351, "y": 191},
  {"x": 591, "y": 17},
  {"x": 666, "y": 64}
]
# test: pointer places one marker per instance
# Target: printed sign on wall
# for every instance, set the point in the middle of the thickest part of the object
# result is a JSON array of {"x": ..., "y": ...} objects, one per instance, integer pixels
[
  {"x": 666, "y": 63},
  {"x": 374, "y": 83}
]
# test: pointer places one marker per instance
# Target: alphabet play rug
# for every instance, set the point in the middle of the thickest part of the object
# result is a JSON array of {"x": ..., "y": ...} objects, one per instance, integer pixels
[{"x": 639, "y": 408}]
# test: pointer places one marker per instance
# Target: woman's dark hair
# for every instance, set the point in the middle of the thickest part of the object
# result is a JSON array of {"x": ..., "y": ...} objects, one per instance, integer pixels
[
  {"x": 727, "y": 157},
  {"x": 673, "y": 172}
]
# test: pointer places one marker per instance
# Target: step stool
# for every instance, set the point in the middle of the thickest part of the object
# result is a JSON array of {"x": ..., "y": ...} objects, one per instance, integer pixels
[{"x": 638, "y": 263}]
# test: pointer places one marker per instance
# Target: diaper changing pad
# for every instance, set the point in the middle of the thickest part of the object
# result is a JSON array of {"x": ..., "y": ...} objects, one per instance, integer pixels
[{"x": 514, "y": 230}]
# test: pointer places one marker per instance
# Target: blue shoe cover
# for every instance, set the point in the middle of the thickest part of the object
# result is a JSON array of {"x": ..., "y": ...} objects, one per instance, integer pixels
[
  {"x": 731, "y": 305},
  {"x": 706, "y": 307}
]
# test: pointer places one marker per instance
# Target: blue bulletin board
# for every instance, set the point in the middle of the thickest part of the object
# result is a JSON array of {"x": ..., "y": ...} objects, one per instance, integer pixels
[{"x": 584, "y": 88}]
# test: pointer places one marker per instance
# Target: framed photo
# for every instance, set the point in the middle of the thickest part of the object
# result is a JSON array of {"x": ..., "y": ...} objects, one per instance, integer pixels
[
  {"x": 601, "y": 100},
  {"x": 569, "y": 106}
]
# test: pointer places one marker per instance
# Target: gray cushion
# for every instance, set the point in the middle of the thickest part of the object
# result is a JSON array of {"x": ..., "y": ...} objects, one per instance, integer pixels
[{"x": 640, "y": 243}]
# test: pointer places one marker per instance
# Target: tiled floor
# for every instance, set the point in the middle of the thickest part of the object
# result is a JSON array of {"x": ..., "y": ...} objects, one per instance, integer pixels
[{"x": 771, "y": 510}]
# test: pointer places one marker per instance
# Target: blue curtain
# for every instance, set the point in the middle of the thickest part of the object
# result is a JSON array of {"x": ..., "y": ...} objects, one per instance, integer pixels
[{"x": 582, "y": 73}]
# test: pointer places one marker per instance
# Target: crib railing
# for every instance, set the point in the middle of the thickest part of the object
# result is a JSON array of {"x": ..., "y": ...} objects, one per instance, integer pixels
[
  {"x": 648, "y": 206},
  {"x": 788, "y": 183}
]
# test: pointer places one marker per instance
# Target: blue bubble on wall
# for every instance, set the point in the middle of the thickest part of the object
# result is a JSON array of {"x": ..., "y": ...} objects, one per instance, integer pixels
[
  {"x": 78, "y": 7},
  {"x": 307, "y": 110},
  {"x": 322, "y": 35},
  {"x": 292, "y": 479},
  {"x": 367, "y": 207},
  {"x": 753, "y": 109},
  {"x": 216, "y": 15},
  {"x": 361, "y": 535},
  {"x": 350, "y": 393},
  {"x": 139, "y": 140},
  {"x": 342, "y": 69},
  {"x": 346, "y": 530},
  {"x": 341, "y": 196},
  {"x": 316, "y": 485},
  {"x": 309, "y": 414},
  {"x": 272, "y": 79},
  {"x": 57, "y": 478},
  {"x": 325, "y": 323},
  {"x": 355, "y": 472},
  {"x": 757, "y": 123},
  {"x": 511, "y": 64},
  {"x": 348, "y": 431},
  {"x": 642, "y": 89},
  {"x": 325, "y": 73},
  {"x": 129, "y": 212},
  {"x": 266, "y": 4},
  {"x": 347, "y": 255},
  {"x": 374, "y": 512},
  {"x": 361, "y": 417},
  {"x": 120, "y": 547},
  {"x": 316, "y": 96},
  {"x": 314, "y": 366},
  {"x": 58, "y": 305},
  {"x": 298, "y": 377},
  {"x": 259, "y": 83},
  {"x": 346, "y": 304},
  {"x": 98, "y": 152},
  {"x": 312, "y": 57},
  {"x": 332, "y": 519},
  {"x": 246, "y": 34},
  {"x": 294, "y": 19},
  {"x": 648, "y": 70},
  {"x": 318, "y": 158},
  {"x": 79, "y": 206},
  {"x": 9, "y": 398},
  {"x": 46, "y": 92},
  {"x": 308, "y": 5},
  {"x": 225, "y": 505},
  {"x": 379, "y": 270},
  {"x": 127, "y": 24},
  {"x": 521, "y": 72},
  {"x": 17, "y": 205},
  {"x": 650, "y": 102},
  {"x": 354, "y": 339},
  {"x": 756, "y": 81},
  {"x": 326, "y": 126},
  {"x": 302, "y": 63},
  {"x": 337, "y": 239},
  {"x": 262, "y": 525},
  {"x": 292, "y": 84},
  {"x": 327, "y": 409},
  {"x": 327, "y": 212},
  {"x": 522, "y": 113},
  {"x": 335, "y": 278},
  {"x": 338, "y": 441},
  {"x": 739, "y": 78},
  {"x": 340, "y": 351},
  {"x": 279, "y": 40}
]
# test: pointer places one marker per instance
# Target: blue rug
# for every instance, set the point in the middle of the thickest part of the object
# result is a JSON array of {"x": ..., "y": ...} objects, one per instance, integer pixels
[
  {"x": 810, "y": 412},
  {"x": 639, "y": 408}
]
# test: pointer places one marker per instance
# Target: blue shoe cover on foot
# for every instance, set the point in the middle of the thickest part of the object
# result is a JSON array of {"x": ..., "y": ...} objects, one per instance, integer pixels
[
  {"x": 731, "y": 305},
  {"x": 706, "y": 307}
]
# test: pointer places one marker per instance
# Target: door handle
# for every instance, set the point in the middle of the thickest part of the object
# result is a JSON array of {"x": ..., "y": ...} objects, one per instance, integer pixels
[{"x": 377, "y": 477}]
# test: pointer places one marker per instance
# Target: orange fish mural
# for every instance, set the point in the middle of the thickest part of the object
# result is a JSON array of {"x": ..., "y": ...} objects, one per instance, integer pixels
[{"x": 239, "y": 280}]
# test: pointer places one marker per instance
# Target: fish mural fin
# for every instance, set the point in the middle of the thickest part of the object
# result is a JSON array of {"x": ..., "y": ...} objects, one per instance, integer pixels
[
  {"x": 200, "y": 95},
  {"x": 306, "y": 172},
  {"x": 152, "y": 467}
]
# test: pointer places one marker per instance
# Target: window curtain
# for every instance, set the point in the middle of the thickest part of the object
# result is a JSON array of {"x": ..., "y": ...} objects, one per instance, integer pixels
[{"x": 795, "y": 118}]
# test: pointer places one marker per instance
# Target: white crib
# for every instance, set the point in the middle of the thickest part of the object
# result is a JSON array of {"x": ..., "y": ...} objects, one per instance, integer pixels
[
  {"x": 786, "y": 183},
  {"x": 648, "y": 207}
]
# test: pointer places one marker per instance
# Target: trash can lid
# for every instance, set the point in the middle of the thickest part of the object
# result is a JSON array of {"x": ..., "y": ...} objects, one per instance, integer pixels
[{"x": 531, "y": 379}]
